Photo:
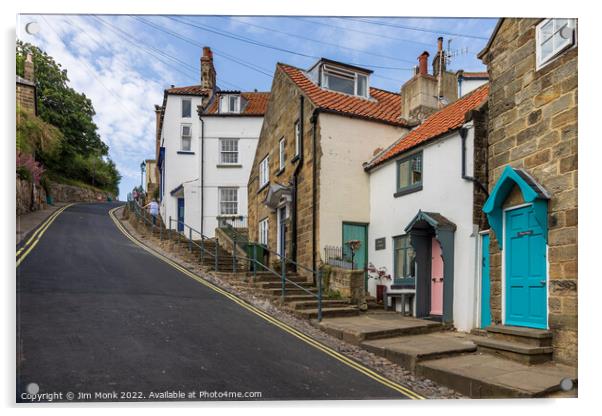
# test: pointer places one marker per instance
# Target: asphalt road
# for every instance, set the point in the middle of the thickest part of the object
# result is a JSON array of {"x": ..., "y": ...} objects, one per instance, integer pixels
[{"x": 97, "y": 314}]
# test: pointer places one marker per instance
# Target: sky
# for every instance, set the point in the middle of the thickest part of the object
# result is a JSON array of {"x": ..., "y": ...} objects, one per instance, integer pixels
[{"x": 123, "y": 62}]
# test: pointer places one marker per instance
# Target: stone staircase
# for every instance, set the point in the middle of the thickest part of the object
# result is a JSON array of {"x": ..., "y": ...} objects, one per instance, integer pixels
[
  {"x": 206, "y": 257},
  {"x": 523, "y": 345}
]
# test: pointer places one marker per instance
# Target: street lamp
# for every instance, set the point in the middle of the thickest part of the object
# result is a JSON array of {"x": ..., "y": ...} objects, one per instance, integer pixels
[{"x": 142, "y": 169}]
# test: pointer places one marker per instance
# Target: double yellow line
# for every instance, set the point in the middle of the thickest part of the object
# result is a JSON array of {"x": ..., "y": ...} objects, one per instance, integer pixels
[
  {"x": 285, "y": 327},
  {"x": 35, "y": 237}
]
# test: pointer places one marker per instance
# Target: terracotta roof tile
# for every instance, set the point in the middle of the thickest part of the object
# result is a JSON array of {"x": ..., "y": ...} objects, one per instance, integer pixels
[
  {"x": 441, "y": 122},
  {"x": 189, "y": 90},
  {"x": 257, "y": 103},
  {"x": 382, "y": 106}
]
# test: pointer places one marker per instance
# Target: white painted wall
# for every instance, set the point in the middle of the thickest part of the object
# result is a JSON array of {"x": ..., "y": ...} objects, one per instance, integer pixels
[
  {"x": 186, "y": 169},
  {"x": 344, "y": 185},
  {"x": 466, "y": 85},
  {"x": 444, "y": 191}
]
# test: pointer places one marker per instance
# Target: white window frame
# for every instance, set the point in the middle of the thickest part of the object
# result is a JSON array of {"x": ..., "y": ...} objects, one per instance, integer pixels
[
  {"x": 282, "y": 153},
  {"x": 182, "y": 107},
  {"x": 264, "y": 172},
  {"x": 263, "y": 231},
  {"x": 221, "y": 200},
  {"x": 183, "y": 136},
  {"x": 297, "y": 137},
  {"x": 540, "y": 61},
  {"x": 222, "y": 152},
  {"x": 344, "y": 73},
  {"x": 224, "y": 104}
]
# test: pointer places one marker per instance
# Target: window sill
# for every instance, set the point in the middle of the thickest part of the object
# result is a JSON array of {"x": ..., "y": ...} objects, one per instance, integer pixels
[
  {"x": 406, "y": 191},
  {"x": 280, "y": 172},
  {"x": 185, "y": 152},
  {"x": 261, "y": 188},
  {"x": 228, "y": 165}
]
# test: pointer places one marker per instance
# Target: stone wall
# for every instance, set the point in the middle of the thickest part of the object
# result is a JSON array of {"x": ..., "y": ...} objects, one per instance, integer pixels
[
  {"x": 282, "y": 113},
  {"x": 26, "y": 97},
  {"x": 533, "y": 125},
  {"x": 348, "y": 283},
  {"x": 33, "y": 198}
]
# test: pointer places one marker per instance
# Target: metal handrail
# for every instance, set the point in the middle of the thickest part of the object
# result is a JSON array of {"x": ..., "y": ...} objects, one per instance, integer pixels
[{"x": 284, "y": 261}]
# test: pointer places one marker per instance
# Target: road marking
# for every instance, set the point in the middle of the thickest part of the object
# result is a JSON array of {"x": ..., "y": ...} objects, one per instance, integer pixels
[
  {"x": 35, "y": 238},
  {"x": 285, "y": 327}
]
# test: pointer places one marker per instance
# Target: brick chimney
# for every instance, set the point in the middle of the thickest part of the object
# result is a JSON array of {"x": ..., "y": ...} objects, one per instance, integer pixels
[
  {"x": 28, "y": 72},
  {"x": 423, "y": 63},
  {"x": 419, "y": 94},
  {"x": 207, "y": 69}
]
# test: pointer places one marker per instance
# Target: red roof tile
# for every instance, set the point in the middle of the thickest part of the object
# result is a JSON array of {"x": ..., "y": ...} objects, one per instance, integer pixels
[
  {"x": 189, "y": 90},
  {"x": 257, "y": 103},
  {"x": 383, "y": 106},
  {"x": 441, "y": 122}
]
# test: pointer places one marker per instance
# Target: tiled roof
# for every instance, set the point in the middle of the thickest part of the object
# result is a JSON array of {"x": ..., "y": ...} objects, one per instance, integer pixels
[
  {"x": 441, "y": 122},
  {"x": 475, "y": 75},
  {"x": 257, "y": 103},
  {"x": 382, "y": 106},
  {"x": 189, "y": 90}
]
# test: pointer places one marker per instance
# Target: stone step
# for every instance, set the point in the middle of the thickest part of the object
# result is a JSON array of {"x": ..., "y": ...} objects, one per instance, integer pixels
[
  {"x": 327, "y": 312},
  {"x": 271, "y": 277},
  {"x": 516, "y": 351},
  {"x": 276, "y": 292},
  {"x": 296, "y": 298},
  {"x": 313, "y": 303},
  {"x": 412, "y": 349},
  {"x": 481, "y": 376},
  {"x": 529, "y": 336},
  {"x": 278, "y": 284}
]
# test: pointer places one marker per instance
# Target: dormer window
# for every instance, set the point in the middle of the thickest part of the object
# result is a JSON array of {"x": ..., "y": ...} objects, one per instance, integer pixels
[
  {"x": 229, "y": 103},
  {"x": 345, "y": 81}
]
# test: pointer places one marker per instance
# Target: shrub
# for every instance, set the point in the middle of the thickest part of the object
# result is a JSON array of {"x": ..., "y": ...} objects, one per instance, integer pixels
[{"x": 26, "y": 163}]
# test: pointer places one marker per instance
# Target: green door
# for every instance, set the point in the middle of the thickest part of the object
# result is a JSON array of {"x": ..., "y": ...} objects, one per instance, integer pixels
[{"x": 356, "y": 231}]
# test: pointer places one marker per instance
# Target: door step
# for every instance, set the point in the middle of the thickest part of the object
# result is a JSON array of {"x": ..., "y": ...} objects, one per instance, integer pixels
[
  {"x": 313, "y": 303},
  {"x": 523, "y": 345}
]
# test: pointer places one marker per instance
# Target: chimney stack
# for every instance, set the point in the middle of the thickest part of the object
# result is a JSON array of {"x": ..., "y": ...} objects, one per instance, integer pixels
[
  {"x": 439, "y": 60},
  {"x": 207, "y": 69},
  {"x": 28, "y": 71},
  {"x": 423, "y": 63},
  {"x": 158, "y": 113}
]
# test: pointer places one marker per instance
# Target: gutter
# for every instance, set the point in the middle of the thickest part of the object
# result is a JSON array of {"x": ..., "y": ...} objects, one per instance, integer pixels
[
  {"x": 202, "y": 174},
  {"x": 314, "y": 196}
]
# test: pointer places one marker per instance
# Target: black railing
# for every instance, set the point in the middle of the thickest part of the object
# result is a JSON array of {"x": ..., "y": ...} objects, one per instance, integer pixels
[
  {"x": 188, "y": 233},
  {"x": 233, "y": 221},
  {"x": 336, "y": 256}
]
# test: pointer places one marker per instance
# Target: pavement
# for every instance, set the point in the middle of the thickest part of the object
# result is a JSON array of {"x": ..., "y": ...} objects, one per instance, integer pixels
[
  {"x": 97, "y": 314},
  {"x": 26, "y": 223}
]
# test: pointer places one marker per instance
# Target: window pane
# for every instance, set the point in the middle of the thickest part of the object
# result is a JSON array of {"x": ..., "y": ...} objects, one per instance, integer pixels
[
  {"x": 417, "y": 170},
  {"x": 404, "y": 174},
  {"x": 186, "y": 108},
  {"x": 547, "y": 31},
  {"x": 233, "y": 104},
  {"x": 186, "y": 143},
  {"x": 547, "y": 49},
  {"x": 362, "y": 85},
  {"x": 185, "y": 130},
  {"x": 336, "y": 83}
]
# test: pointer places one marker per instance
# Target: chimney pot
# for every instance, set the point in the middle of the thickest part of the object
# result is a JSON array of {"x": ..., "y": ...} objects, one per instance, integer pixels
[
  {"x": 439, "y": 43},
  {"x": 423, "y": 63},
  {"x": 207, "y": 52}
]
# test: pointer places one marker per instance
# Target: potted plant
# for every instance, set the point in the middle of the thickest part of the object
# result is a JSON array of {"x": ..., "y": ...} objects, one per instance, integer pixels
[{"x": 381, "y": 276}]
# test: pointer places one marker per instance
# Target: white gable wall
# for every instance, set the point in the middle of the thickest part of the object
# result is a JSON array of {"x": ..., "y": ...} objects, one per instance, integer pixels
[{"x": 444, "y": 191}]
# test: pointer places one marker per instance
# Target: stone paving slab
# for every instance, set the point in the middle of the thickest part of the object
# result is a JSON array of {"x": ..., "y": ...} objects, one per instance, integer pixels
[
  {"x": 410, "y": 349},
  {"x": 375, "y": 325},
  {"x": 485, "y": 376}
]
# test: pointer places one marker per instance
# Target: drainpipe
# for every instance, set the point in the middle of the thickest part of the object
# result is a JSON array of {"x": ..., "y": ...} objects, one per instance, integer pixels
[
  {"x": 463, "y": 135},
  {"x": 295, "y": 182},
  {"x": 202, "y": 175},
  {"x": 314, "y": 196}
]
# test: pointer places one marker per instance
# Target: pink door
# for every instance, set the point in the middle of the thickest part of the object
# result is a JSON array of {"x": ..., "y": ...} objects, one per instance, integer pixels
[{"x": 436, "y": 279}]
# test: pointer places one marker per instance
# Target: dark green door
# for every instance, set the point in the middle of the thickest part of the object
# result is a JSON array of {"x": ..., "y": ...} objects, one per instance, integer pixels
[{"x": 356, "y": 231}]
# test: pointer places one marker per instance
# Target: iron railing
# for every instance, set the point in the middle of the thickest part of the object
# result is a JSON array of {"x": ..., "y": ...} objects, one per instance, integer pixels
[
  {"x": 336, "y": 256},
  {"x": 234, "y": 221},
  {"x": 253, "y": 262}
]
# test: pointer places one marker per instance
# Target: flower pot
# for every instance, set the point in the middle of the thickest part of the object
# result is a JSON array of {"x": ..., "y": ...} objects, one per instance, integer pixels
[{"x": 380, "y": 293}]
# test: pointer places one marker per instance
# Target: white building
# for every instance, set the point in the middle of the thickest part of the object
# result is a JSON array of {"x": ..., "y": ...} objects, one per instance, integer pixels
[
  {"x": 425, "y": 200},
  {"x": 470, "y": 81},
  {"x": 207, "y": 144}
]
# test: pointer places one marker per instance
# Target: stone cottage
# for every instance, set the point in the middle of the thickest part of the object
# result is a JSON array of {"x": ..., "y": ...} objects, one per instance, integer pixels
[
  {"x": 532, "y": 164},
  {"x": 307, "y": 187}
]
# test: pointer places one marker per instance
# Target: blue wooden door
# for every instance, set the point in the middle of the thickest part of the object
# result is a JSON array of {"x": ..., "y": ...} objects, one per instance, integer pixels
[
  {"x": 525, "y": 264},
  {"x": 485, "y": 283},
  {"x": 354, "y": 231},
  {"x": 180, "y": 214}
]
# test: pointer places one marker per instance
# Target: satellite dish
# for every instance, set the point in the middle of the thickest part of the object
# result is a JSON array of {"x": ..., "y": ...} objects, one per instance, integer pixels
[{"x": 32, "y": 28}]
